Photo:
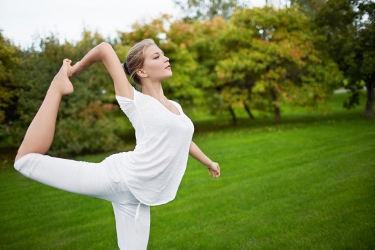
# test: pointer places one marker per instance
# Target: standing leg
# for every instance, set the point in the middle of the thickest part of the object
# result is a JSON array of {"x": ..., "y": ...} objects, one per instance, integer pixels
[
  {"x": 132, "y": 232},
  {"x": 39, "y": 135}
]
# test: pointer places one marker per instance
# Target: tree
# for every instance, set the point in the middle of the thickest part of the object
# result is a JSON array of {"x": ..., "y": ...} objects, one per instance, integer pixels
[
  {"x": 9, "y": 62},
  {"x": 201, "y": 40},
  {"x": 83, "y": 123},
  {"x": 349, "y": 28},
  {"x": 271, "y": 59},
  {"x": 366, "y": 50},
  {"x": 181, "y": 86},
  {"x": 207, "y": 9},
  {"x": 308, "y": 7}
]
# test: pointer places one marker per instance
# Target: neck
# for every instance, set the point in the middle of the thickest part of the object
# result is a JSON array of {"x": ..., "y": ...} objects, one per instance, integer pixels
[{"x": 154, "y": 89}]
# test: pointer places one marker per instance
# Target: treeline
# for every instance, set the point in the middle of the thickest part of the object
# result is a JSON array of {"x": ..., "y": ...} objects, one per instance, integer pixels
[{"x": 256, "y": 59}]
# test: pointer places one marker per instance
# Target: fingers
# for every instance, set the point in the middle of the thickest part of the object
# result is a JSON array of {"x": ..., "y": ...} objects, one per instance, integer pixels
[
  {"x": 67, "y": 61},
  {"x": 217, "y": 171},
  {"x": 75, "y": 70},
  {"x": 70, "y": 70},
  {"x": 216, "y": 174},
  {"x": 214, "y": 170}
]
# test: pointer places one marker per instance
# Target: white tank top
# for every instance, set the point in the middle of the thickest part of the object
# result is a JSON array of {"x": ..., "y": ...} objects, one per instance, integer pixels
[{"x": 153, "y": 171}]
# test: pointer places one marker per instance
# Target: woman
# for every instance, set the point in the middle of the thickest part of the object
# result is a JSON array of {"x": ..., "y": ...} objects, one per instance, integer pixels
[{"x": 133, "y": 181}]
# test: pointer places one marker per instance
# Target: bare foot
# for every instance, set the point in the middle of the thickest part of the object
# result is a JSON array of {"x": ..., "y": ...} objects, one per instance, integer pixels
[{"x": 61, "y": 80}]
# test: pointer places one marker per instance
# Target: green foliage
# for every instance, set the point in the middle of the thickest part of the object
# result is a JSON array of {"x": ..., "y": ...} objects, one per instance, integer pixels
[
  {"x": 308, "y": 7},
  {"x": 92, "y": 131},
  {"x": 271, "y": 57},
  {"x": 196, "y": 38},
  {"x": 9, "y": 62},
  {"x": 208, "y": 9},
  {"x": 83, "y": 123},
  {"x": 183, "y": 86},
  {"x": 349, "y": 27}
]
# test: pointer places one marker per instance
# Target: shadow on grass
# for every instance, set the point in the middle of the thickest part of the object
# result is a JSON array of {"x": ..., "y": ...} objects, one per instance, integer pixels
[{"x": 287, "y": 120}]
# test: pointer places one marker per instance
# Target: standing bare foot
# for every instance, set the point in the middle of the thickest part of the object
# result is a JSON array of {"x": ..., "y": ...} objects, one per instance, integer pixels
[{"x": 61, "y": 82}]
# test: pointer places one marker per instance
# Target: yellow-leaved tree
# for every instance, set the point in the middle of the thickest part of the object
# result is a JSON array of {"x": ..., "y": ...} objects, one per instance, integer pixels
[{"x": 272, "y": 57}]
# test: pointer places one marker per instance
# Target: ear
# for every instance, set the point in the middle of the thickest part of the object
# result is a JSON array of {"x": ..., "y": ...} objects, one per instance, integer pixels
[{"x": 141, "y": 73}]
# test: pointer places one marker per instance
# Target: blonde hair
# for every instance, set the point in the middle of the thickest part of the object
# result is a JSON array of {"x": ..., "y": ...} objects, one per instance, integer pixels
[{"x": 136, "y": 56}]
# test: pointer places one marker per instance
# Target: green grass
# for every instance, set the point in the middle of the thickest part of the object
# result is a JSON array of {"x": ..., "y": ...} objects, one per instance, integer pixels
[{"x": 308, "y": 183}]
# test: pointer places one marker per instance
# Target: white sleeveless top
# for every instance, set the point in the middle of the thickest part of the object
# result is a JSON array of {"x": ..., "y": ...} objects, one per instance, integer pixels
[{"x": 153, "y": 171}]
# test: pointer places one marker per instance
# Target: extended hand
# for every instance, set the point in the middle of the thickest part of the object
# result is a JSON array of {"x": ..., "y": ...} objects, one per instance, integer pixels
[
  {"x": 214, "y": 169},
  {"x": 76, "y": 69}
]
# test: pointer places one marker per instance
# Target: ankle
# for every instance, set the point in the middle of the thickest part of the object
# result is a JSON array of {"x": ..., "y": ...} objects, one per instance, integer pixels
[{"x": 54, "y": 90}]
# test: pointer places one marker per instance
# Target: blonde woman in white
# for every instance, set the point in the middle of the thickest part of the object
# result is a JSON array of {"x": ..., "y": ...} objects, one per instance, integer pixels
[{"x": 135, "y": 180}]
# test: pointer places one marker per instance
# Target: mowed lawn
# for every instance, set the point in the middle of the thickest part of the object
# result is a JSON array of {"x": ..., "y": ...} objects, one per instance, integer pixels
[{"x": 308, "y": 183}]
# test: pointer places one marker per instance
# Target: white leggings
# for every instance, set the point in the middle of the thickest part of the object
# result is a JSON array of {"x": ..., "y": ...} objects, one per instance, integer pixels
[{"x": 99, "y": 180}]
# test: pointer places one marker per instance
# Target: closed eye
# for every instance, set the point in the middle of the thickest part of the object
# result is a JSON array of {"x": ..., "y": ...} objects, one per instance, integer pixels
[{"x": 157, "y": 55}]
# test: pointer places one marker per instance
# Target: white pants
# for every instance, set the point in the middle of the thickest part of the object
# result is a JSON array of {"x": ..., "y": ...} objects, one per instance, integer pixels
[{"x": 99, "y": 180}]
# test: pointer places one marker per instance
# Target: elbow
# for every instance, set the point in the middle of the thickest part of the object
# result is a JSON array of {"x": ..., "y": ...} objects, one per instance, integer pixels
[{"x": 105, "y": 47}]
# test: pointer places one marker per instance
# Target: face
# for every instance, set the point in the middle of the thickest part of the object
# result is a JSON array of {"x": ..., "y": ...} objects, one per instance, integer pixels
[{"x": 155, "y": 65}]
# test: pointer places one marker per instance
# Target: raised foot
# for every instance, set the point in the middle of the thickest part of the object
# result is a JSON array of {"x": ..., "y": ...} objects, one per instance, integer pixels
[{"x": 61, "y": 80}]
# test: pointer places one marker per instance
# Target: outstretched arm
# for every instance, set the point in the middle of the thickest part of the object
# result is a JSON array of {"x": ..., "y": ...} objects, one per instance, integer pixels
[
  {"x": 213, "y": 167},
  {"x": 104, "y": 53}
]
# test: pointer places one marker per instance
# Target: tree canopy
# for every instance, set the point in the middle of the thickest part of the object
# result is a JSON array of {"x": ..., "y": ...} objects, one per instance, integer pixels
[
  {"x": 207, "y": 9},
  {"x": 349, "y": 29},
  {"x": 271, "y": 58},
  {"x": 257, "y": 59},
  {"x": 9, "y": 61}
]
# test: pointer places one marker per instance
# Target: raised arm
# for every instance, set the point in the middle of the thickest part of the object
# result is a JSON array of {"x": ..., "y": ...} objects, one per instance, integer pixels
[
  {"x": 104, "y": 53},
  {"x": 213, "y": 167}
]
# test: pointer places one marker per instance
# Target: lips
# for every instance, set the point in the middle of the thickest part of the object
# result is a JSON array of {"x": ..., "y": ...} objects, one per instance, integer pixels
[{"x": 168, "y": 67}]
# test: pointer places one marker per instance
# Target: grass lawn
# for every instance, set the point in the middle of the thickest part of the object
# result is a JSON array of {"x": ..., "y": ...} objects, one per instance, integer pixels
[{"x": 308, "y": 183}]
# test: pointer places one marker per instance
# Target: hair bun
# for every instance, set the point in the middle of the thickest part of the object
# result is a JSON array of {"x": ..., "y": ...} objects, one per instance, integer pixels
[{"x": 126, "y": 69}]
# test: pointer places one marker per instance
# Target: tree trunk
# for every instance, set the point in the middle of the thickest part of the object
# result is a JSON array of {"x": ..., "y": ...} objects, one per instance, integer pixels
[
  {"x": 276, "y": 108},
  {"x": 369, "y": 109},
  {"x": 234, "y": 118},
  {"x": 248, "y": 111},
  {"x": 276, "y": 111}
]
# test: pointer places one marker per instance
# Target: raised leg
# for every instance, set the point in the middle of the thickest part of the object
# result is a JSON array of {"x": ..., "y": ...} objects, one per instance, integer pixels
[
  {"x": 39, "y": 135},
  {"x": 101, "y": 180}
]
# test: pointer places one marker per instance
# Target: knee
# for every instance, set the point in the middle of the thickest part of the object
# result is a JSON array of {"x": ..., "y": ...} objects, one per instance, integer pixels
[
  {"x": 16, "y": 159},
  {"x": 23, "y": 152},
  {"x": 19, "y": 155},
  {"x": 17, "y": 164},
  {"x": 19, "y": 161}
]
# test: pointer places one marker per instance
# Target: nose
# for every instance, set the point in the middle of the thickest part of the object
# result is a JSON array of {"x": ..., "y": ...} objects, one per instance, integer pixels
[{"x": 166, "y": 59}]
